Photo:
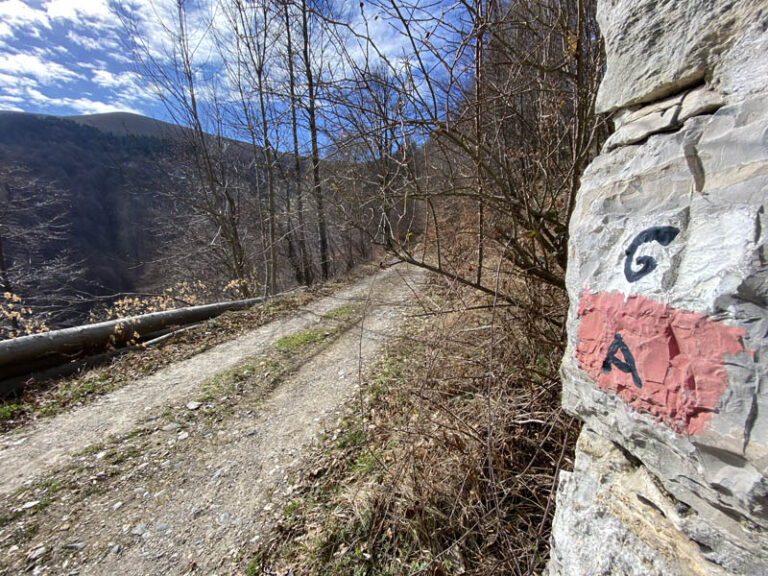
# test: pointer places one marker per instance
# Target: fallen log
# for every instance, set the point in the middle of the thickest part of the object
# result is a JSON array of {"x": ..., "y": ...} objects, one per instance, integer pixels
[{"x": 27, "y": 354}]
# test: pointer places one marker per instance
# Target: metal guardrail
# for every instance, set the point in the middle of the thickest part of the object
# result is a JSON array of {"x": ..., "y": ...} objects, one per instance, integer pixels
[{"x": 25, "y": 355}]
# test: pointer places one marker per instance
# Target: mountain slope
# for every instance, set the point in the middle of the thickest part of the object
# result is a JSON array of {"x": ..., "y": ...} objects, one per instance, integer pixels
[
  {"x": 102, "y": 183},
  {"x": 128, "y": 124}
]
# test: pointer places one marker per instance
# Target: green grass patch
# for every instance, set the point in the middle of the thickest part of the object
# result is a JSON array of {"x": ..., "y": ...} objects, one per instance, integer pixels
[
  {"x": 291, "y": 508},
  {"x": 351, "y": 439},
  {"x": 8, "y": 411},
  {"x": 253, "y": 368},
  {"x": 82, "y": 390},
  {"x": 288, "y": 353},
  {"x": 47, "y": 489},
  {"x": 365, "y": 464},
  {"x": 341, "y": 317},
  {"x": 341, "y": 313},
  {"x": 255, "y": 566},
  {"x": 302, "y": 339}
]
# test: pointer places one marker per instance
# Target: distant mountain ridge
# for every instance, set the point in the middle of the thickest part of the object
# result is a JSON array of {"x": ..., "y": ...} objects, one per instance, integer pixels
[
  {"x": 115, "y": 123},
  {"x": 112, "y": 173},
  {"x": 129, "y": 124},
  {"x": 107, "y": 169}
]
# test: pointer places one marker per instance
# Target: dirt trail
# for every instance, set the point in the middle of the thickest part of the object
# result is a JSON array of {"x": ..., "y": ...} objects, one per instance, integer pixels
[{"x": 187, "y": 500}]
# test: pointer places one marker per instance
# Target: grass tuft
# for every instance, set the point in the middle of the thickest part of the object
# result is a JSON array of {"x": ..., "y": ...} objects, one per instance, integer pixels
[
  {"x": 301, "y": 339},
  {"x": 341, "y": 313},
  {"x": 11, "y": 410}
]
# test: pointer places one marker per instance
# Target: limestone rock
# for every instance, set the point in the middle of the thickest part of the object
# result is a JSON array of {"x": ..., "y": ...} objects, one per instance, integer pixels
[
  {"x": 667, "y": 352},
  {"x": 648, "y": 123},
  {"x": 699, "y": 101},
  {"x": 613, "y": 518},
  {"x": 636, "y": 125},
  {"x": 668, "y": 285},
  {"x": 638, "y": 113},
  {"x": 655, "y": 48}
]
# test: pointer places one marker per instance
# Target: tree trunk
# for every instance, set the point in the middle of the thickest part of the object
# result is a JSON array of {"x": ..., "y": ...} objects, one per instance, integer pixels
[
  {"x": 317, "y": 190},
  {"x": 306, "y": 266},
  {"x": 272, "y": 280}
]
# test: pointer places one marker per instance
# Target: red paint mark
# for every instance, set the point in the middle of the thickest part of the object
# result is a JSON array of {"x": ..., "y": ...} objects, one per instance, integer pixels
[{"x": 679, "y": 356}]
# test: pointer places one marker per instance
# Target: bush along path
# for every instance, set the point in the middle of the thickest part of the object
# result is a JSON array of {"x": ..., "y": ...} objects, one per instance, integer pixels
[{"x": 180, "y": 472}]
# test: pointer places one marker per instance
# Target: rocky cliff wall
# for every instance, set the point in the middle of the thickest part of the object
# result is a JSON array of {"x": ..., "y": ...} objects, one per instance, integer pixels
[{"x": 667, "y": 360}]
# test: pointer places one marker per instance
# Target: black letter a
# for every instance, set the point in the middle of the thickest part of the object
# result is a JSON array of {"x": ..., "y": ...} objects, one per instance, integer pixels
[{"x": 627, "y": 365}]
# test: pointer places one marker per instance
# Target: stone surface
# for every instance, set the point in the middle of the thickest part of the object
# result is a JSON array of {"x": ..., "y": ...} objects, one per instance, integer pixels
[
  {"x": 637, "y": 113},
  {"x": 613, "y": 518},
  {"x": 37, "y": 553},
  {"x": 699, "y": 419},
  {"x": 655, "y": 48},
  {"x": 651, "y": 122},
  {"x": 668, "y": 285},
  {"x": 636, "y": 125},
  {"x": 700, "y": 101}
]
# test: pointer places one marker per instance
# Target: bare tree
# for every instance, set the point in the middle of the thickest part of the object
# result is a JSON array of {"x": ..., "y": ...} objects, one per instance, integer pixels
[
  {"x": 307, "y": 50},
  {"x": 474, "y": 136},
  {"x": 39, "y": 278},
  {"x": 500, "y": 95},
  {"x": 211, "y": 193},
  {"x": 306, "y": 274},
  {"x": 251, "y": 23}
]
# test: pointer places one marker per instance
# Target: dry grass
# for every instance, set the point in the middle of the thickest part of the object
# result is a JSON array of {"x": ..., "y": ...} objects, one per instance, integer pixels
[{"x": 446, "y": 464}]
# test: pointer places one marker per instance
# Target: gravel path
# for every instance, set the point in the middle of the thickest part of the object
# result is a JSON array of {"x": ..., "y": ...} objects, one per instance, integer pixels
[{"x": 188, "y": 500}]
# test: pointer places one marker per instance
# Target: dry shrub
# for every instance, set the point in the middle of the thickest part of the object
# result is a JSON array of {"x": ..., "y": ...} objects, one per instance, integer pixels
[
  {"x": 449, "y": 464},
  {"x": 180, "y": 295},
  {"x": 16, "y": 319}
]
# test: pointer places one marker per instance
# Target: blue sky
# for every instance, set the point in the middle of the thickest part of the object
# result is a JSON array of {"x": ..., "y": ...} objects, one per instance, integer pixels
[{"x": 68, "y": 57}]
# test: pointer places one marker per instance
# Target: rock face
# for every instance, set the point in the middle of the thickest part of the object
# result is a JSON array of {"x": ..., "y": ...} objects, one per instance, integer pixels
[
  {"x": 667, "y": 358},
  {"x": 620, "y": 521},
  {"x": 655, "y": 48}
]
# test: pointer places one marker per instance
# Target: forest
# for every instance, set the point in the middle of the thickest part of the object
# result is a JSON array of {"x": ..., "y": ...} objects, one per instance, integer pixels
[{"x": 308, "y": 146}]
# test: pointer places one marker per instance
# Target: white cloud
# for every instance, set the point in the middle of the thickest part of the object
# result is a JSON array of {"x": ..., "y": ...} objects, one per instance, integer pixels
[
  {"x": 5, "y": 30},
  {"x": 94, "y": 64},
  {"x": 77, "y": 10},
  {"x": 93, "y": 43},
  {"x": 17, "y": 14},
  {"x": 87, "y": 106},
  {"x": 28, "y": 68},
  {"x": 128, "y": 87},
  {"x": 12, "y": 99},
  {"x": 32, "y": 66},
  {"x": 10, "y": 84},
  {"x": 155, "y": 24},
  {"x": 79, "y": 105},
  {"x": 107, "y": 79}
]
